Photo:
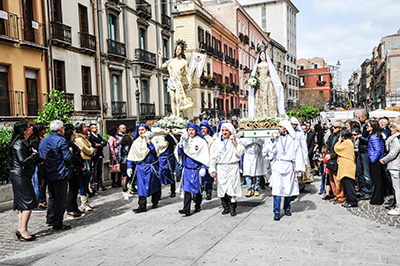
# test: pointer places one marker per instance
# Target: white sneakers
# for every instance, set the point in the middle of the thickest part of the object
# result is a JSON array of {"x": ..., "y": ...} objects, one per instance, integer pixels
[
  {"x": 395, "y": 211},
  {"x": 126, "y": 195}
]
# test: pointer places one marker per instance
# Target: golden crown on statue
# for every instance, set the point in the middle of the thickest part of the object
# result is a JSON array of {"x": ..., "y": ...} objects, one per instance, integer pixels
[
  {"x": 261, "y": 46},
  {"x": 182, "y": 43}
]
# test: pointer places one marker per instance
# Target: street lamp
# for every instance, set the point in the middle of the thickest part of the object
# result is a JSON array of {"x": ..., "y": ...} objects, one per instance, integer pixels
[
  {"x": 136, "y": 69},
  {"x": 216, "y": 95}
]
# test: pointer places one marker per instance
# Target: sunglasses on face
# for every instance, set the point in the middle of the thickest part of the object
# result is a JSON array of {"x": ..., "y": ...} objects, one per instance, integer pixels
[{"x": 335, "y": 127}]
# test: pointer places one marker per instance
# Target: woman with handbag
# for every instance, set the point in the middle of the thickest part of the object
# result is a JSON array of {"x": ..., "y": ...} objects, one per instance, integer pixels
[
  {"x": 344, "y": 148},
  {"x": 126, "y": 143},
  {"x": 113, "y": 143}
]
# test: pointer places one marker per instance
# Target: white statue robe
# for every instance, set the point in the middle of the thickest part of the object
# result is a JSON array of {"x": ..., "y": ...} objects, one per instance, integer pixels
[
  {"x": 253, "y": 161},
  {"x": 226, "y": 166},
  {"x": 286, "y": 159},
  {"x": 301, "y": 138}
]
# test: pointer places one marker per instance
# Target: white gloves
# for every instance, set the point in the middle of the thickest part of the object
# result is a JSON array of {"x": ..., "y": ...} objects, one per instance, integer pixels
[
  {"x": 129, "y": 172},
  {"x": 147, "y": 135},
  {"x": 185, "y": 136},
  {"x": 202, "y": 172}
]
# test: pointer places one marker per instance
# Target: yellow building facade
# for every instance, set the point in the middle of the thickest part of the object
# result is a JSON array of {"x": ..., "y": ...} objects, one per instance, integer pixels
[{"x": 23, "y": 60}]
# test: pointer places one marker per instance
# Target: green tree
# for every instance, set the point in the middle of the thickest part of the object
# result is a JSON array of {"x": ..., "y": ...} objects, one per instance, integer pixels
[
  {"x": 5, "y": 139},
  {"x": 56, "y": 109}
]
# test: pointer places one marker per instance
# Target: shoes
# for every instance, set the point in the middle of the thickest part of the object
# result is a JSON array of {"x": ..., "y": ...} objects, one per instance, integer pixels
[
  {"x": 277, "y": 217},
  {"x": 114, "y": 185},
  {"x": 348, "y": 205},
  {"x": 249, "y": 193},
  {"x": 125, "y": 195},
  {"x": 186, "y": 213},
  {"x": 92, "y": 194},
  {"x": 79, "y": 211},
  {"x": 40, "y": 208},
  {"x": 173, "y": 195},
  {"x": 333, "y": 199},
  {"x": 339, "y": 201},
  {"x": 288, "y": 213},
  {"x": 208, "y": 197},
  {"x": 390, "y": 207},
  {"x": 139, "y": 210},
  {"x": 63, "y": 227},
  {"x": 155, "y": 206},
  {"x": 102, "y": 188},
  {"x": 263, "y": 187},
  {"x": 197, "y": 210},
  {"x": 256, "y": 193},
  {"x": 395, "y": 211},
  {"x": 226, "y": 211},
  {"x": 73, "y": 215},
  {"x": 364, "y": 197}
]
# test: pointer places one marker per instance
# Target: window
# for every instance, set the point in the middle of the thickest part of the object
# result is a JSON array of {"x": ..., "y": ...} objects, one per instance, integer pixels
[
  {"x": 56, "y": 10},
  {"x": 321, "y": 78},
  {"x": 83, "y": 19},
  {"x": 232, "y": 103},
  {"x": 142, "y": 38},
  {"x": 165, "y": 48},
  {"x": 230, "y": 52},
  {"x": 167, "y": 99},
  {"x": 27, "y": 17},
  {"x": 116, "y": 88},
  {"x": 301, "y": 67},
  {"x": 302, "y": 81},
  {"x": 227, "y": 104},
  {"x": 203, "y": 103},
  {"x": 112, "y": 27},
  {"x": 200, "y": 33},
  {"x": 86, "y": 86},
  {"x": 31, "y": 91},
  {"x": 59, "y": 75},
  {"x": 208, "y": 39},
  {"x": 209, "y": 101},
  {"x": 315, "y": 66},
  {"x": 208, "y": 69},
  {"x": 145, "y": 91},
  {"x": 225, "y": 49},
  {"x": 4, "y": 94}
]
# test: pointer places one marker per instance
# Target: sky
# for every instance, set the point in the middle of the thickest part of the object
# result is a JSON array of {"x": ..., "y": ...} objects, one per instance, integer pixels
[{"x": 343, "y": 30}]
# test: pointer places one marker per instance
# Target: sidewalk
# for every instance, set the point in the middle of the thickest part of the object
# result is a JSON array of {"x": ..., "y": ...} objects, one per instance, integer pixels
[{"x": 317, "y": 233}]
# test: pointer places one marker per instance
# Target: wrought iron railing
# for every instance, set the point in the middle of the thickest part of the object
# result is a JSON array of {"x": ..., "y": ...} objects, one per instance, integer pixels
[
  {"x": 165, "y": 20},
  {"x": 143, "y": 8},
  {"x": 9, "y": 27},
  {"x": 116, "y": 48},
  {"x": 118, "y": 108},
  {"x": 69, "y": 98},
  {"x": 145, "y": 56},
  {"x": 88, "y": 41},
  {"x": 90, "y": 102},
  {"x": 148, "y": 109},
  {"x": 60, "y": 32}
]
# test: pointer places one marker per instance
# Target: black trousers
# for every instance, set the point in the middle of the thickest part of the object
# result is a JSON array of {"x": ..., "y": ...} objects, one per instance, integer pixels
[
  {"x": 377, "y": 183},
  {"x": 57, "y": 202},
  {"x": 155, "y": 198},
  {"x": 97, "y": 171},
  {"x": 209, "y": 189},
  {"x": 74, "y": 186},
  {"x": 188, "y": 199},
  {"x": 350, "y": 190}
]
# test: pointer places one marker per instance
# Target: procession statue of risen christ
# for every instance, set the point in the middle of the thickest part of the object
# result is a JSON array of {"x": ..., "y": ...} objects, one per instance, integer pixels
[{"x": 177, "y": 69}]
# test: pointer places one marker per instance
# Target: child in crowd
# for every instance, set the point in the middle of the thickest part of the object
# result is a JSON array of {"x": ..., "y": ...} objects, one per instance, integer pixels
[{"x": 324, "y": 190}]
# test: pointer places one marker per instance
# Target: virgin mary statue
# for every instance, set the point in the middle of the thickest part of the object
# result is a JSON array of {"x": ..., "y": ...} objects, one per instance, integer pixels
[{"x": 267, "y": 100}]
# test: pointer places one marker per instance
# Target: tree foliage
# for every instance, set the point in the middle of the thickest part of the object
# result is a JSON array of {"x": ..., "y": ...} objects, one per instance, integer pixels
[
  {"x": 306, "y": 111},
  {"x": 5, "y": 139},
  {"x": 56, "y": 109}
]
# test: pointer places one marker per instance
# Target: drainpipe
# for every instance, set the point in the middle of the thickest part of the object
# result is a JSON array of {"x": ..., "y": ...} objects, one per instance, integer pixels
[
  {"x": 97, "y": 61},
  {"x": 161, "y": 110},
  {"x": 127, "y": 65},
  {"x": 99, "y": 50},
  {"x": 49, "y": 65}
]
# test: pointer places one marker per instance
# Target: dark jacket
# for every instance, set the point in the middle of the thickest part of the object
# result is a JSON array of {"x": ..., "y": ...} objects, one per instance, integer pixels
[
  {"x": 55, "y": 149},
  {"x": 310, "y": 135},
  {"x": 97, "y": 139},
  {"x": 376, "y": 147},
  {"x": 77, "y": 162},
  {"x": 23, "y": 158},
  {"x": 331, "y": 144},
  {"x": 363, "y": 144},
  {"x": 387, "y": 132},
  {"x": 124, "y": 154}
]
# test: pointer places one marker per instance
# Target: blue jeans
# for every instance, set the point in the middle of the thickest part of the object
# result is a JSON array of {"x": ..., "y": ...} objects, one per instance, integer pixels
[
  {"x": 35, "y": 179},
  {"x": 249, "y": 182},
  {"x": 85, "y": 179},
  {"x": 364, "y": 178},
  {"x": 277, "y": 204}
]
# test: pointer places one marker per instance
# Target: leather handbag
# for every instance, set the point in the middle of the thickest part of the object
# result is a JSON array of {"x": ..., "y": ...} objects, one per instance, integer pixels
[
  {"x": 332, "y": 165},
  {"x": 114, "y": 168}
]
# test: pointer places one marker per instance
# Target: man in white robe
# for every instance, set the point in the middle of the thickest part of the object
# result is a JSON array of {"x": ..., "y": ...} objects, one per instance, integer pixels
[
  {"x": 226, "y": 153},
  {"x": 287, "y": 161},
  {"x": 253, "y": 164}
]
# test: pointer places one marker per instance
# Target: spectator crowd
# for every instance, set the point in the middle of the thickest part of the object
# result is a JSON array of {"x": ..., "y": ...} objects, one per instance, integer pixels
[{"x": 357, "y": 160}]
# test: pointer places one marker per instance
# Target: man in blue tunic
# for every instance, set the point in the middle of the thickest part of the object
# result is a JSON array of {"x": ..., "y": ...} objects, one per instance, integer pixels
[
  {"x": 143, "y": 154},
  {"x": 208, "y": 133},
  {"x": 192, "y": 152},
  {"x": 167, "y": 162}
]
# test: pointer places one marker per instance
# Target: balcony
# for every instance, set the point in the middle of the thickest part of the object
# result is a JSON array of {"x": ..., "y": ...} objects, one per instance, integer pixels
[
  {"x": 15, "y": 104},
  {"x": 118, "y": 108},
  {"x": 34, "y": 34},
  {"x": 9, "y": 30},
  {"x": 165, "y": 21},
  {"x": 203, "y": 81},
  {"x": 60, "y": 33},
  {"x": 209, "y": 50},
  {"x": 205, "y": 48},
  {"x": 143, "y": 9},
  {"x": 230, "y": 60},
  {"x": 69, "y": 98},
  {"x": 211, "y": 83},
  {"x": 90, "y": 103},
  {"x": 148, "y": 110},
  {"x": 147, "y": 59},
  {"x": 116, "y": 48},
  {"x": 235, "y": 112},
  {"x": 321, "y": 82},
  {"x": 88, "y": 42},
  {"x": 218, "y": 54},
  {"x": 241, "y": 67},
  {"x": 236, "y": 63},
  {"x": 36, "y": 104}
]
